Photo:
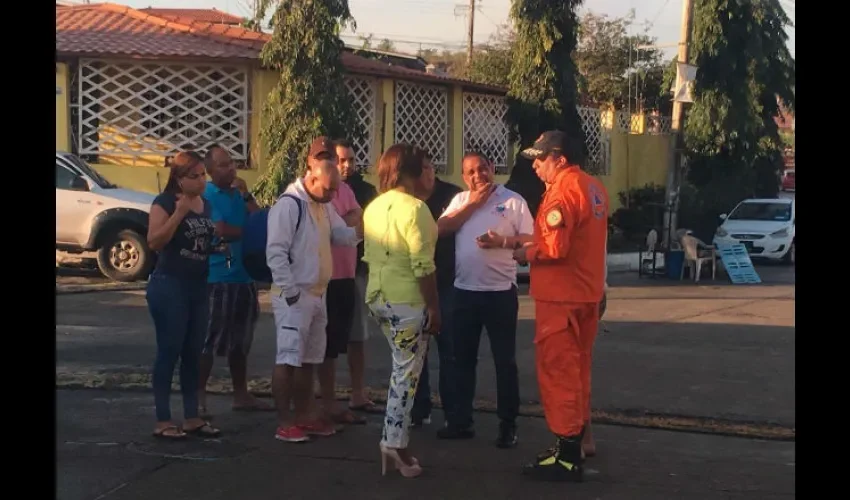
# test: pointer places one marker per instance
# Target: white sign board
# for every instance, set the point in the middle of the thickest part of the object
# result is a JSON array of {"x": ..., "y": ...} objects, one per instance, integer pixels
[{"x": 683, "y": 88}]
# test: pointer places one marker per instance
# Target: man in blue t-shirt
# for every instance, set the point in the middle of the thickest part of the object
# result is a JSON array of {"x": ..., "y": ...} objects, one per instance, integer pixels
[{"x": 232, "y": 293}]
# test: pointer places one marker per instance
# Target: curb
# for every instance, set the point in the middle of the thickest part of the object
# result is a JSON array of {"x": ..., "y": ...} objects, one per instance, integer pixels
[
  {"x": 100, "y": 287},
  {"x": 261, "y": 387},
  {"x": 629, "y": 262}
]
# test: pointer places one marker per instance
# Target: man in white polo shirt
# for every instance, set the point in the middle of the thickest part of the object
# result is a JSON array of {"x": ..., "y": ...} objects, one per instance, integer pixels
[{"x": 488, "y": 221}]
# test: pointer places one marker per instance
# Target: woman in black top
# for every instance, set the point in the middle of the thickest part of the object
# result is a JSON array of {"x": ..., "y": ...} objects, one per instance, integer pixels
[{"x": 181, "y": 230}]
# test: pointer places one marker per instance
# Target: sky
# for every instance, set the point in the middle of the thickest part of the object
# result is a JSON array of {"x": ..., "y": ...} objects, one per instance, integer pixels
[{"x": 443, "y": 24}]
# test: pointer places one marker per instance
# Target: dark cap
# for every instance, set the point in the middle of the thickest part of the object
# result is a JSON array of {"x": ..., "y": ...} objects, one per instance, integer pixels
[
  {"x": 553, "y": 140},
  {"x": 322, "y": 145}
]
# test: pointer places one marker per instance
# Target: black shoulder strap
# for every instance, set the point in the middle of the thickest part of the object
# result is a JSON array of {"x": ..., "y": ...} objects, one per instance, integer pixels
[
  {"x": 300, "y": 214},
  {"x": 300, "y": 209}
]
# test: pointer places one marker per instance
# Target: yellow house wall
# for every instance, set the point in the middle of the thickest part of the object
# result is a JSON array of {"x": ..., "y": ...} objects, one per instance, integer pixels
[
  {"x": 636, "y": 160},
  {"x": 150, "y": 179},
  {"x": 63, "y": 115}
]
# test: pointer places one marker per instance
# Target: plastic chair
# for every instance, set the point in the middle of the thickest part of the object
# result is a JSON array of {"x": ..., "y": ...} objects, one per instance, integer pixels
[
  {"x": 648, "y": 255},
  {"x": 694, "y": 258}
]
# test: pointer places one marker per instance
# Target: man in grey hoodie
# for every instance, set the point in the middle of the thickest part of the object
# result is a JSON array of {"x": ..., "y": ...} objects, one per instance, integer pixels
[{"x": 302, "y": 225}]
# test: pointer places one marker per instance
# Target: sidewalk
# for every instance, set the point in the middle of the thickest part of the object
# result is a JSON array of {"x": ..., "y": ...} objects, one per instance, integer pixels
[{"x": 105, "y": 451}]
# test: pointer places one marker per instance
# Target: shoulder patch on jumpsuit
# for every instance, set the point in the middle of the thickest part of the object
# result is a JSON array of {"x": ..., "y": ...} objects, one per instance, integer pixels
[{"x": 554, "y": 217}]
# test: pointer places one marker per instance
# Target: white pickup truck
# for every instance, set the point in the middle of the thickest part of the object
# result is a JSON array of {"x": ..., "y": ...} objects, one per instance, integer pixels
[{"x": 94, "y": 215}]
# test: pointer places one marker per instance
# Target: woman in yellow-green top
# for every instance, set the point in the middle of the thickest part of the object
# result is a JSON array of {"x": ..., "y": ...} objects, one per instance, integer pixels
[{"x": 399, "y": 239}]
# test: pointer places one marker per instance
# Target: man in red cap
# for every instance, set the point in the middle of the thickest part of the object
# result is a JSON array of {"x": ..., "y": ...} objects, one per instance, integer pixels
[
  {"x": 567, "y": 259},
  {"x": 302, "y": 225}
]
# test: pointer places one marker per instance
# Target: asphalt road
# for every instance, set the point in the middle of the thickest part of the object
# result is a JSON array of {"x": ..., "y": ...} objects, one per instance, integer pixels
[
  {"x": 710, "y": 350},
  {"x": 104, "y": 452}
]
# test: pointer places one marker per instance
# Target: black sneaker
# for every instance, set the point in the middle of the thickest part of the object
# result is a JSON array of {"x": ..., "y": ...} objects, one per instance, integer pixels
[
  {"x": 507, "y": 435},
  {"x": 561, "y": 463},
  {"x": 454, "y": 432}
]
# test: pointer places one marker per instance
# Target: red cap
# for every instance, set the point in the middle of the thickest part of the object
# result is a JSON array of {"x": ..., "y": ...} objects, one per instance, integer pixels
[{"x": 322, "y": 145}]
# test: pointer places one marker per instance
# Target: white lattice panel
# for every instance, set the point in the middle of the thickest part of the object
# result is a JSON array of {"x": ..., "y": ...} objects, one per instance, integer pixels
[
  {"x": 597, "y": 139},
  {"x": 484, "y": 128},
  {"x": 135, "y": 109},
  {"x": 659, "y": 124},
  {"x": 422, "y": 119},
  {"x": 628, "y": 123},
  {"x": 363, "y": 93}
]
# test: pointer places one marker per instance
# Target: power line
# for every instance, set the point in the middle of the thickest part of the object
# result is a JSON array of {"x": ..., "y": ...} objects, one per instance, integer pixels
[
  {"x": 448, "y": 45},
  {"x": 655, "y": 18},
  {"x": 481, "y": 11}
]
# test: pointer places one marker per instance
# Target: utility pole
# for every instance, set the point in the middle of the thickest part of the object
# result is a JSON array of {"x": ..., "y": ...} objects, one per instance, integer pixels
[
  {"x": 676, "y": 172},
  {"x": 471, "y": 31},
  {"x": 257, "y": 16}
]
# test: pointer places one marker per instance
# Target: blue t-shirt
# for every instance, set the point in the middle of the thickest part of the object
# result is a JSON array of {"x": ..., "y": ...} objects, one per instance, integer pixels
[
  {"x": 186, "y": 254},
  {"x": 229, "y": 207}
]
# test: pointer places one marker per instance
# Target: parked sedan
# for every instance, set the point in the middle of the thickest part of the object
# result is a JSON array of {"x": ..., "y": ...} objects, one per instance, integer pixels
[{"x": 766, "y": 227}]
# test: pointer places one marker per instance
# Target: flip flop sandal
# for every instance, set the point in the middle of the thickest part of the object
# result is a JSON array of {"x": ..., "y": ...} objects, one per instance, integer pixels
[
  {"x": 368, "y": 407},
  {"x": 165, "y": 434},
  {"x": 348, "y": 418},
  {"x": 205, "y": 430}
]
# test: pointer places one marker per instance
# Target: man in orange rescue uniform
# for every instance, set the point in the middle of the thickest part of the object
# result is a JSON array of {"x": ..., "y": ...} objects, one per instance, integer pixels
[{"x": 567, "y": 260}]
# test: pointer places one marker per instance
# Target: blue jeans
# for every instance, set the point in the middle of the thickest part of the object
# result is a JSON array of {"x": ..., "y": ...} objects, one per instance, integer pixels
[
  {"x": 180, "y": 311},
  {"x": 445, "y": 352}
]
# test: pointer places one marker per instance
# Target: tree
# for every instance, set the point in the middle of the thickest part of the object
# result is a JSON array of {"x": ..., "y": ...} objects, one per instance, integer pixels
[
  {"x": 612, "y": 69},
  {"x": 386, "y": 45},
  {"x": 607, "y": 74},
  {"x": 491, "y": 63},
  {"x": 366, "y": 41},
  {"x": 744, "y": 72},
  {"x": 259, "y": 9},
  {"x": 310, "y": 98},
  {"x": 453, "y": 63},
  {"x": 543, "y": 82}
]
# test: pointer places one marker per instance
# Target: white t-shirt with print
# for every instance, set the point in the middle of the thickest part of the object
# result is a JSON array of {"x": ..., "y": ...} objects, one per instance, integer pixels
[{"x": 478, "y": 269}]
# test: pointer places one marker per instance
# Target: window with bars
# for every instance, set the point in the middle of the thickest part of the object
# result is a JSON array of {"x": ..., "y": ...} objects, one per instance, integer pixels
[
  {"x": 422, "y": 119},
  {"x": 363, "y": 92},
  {"x": 485, "y": 129},
  {"x": 135, "y": 109}
]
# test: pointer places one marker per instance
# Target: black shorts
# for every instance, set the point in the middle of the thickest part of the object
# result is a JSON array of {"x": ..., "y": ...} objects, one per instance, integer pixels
[
  {"x": 340, "y": 300},
  {"x": 233, "y": 313}
]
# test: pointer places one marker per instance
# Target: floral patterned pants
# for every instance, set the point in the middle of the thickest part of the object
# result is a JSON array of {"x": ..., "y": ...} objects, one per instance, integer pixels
[{"x": 402, "y": 325}]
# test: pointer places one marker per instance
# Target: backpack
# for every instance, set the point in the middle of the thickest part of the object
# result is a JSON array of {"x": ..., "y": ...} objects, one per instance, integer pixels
[{"x": 254, "y": 239}]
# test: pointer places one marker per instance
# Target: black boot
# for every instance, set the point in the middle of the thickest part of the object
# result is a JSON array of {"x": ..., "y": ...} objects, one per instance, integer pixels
[
  {"x": 507, "y": 435},
  {"x": 562, "y": 463},
  {"x": 554, "y": 449}
]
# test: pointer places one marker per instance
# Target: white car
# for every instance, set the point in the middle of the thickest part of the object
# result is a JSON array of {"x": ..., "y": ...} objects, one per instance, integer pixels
[
  {"x": 765, "y": 226},
  {"x": 94, "y": 215}
]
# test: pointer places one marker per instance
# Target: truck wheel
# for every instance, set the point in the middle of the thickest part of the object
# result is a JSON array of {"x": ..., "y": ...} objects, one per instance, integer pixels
[{"x": 124, "y": 256}]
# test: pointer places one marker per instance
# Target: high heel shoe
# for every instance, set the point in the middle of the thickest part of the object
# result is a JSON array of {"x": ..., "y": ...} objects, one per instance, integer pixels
[{"x": 405, "y": 470}]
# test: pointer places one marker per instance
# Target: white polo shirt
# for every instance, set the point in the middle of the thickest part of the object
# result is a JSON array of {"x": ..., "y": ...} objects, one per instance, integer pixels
[{"x": 492, "y": 270}]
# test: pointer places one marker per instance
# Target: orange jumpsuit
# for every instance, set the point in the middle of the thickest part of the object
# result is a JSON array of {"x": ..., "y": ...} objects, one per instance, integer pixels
[{"x": 567, "y": 279}]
